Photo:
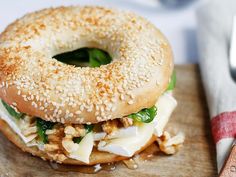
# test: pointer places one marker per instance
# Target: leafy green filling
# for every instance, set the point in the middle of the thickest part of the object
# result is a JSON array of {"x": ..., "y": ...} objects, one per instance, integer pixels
[
  {"x": 88, "y": 129},
  {"x": 77, "y": 139},
  {"x": 85, "y": 56},
  {"x": 145, "y": 115},
  {"x": 98, "y": 57},
  {"x": 12, "y": 111},
  {"x": 42, "y": 126},
  {"x": 172, "y": 82}
]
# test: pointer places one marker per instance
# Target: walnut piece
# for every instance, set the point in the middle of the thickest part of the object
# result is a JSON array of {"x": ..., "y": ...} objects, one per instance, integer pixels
[
  {"x": 110, "y": 126},
  {"x": 170, "y": 145},
  {"x": 80, "y": 130},
  {"x": 54, "y": 138},
  {"x": 126, "y": 122},
  {"x": 51, "y": 147},
  {"x": 69, "y": 130},
  {"x": 59, "y": 158},
  {"x": 50, "y": 132},
  {"x": 30, "y": 130}
]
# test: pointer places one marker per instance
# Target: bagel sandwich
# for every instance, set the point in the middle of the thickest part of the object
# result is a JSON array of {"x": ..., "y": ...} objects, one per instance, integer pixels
[{"x": 84, "y": 85}]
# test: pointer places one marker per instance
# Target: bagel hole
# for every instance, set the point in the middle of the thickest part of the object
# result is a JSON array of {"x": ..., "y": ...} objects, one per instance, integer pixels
[{"x": 85, "y": 57}]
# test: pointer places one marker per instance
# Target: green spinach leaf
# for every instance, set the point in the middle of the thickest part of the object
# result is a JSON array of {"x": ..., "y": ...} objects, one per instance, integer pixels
[
  {"x": 92, "y": 56},
  {"x": 88, "y": 128},
  {"x": 12, "y": 111},
  {"x": 77, "y": 139},
  {"x": 172, "y": 82},
  {"x": 98, "y": 57},
  {"x": 42, "y": 126},
  {"x": 145, "y": 115}
]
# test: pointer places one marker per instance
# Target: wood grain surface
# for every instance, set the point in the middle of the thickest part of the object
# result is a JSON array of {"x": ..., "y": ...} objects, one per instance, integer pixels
[{"x": 195, "y": 158}]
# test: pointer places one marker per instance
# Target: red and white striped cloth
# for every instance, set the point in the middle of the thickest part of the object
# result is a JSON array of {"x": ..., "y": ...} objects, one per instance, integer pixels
[{"x": 214, "y": 32}]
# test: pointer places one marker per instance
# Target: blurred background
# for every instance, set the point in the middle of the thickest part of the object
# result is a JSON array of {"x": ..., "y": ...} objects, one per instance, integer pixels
[{"x": 175, "y": 18}]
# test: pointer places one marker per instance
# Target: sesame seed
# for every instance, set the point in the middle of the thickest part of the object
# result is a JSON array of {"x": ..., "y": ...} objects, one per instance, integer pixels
[
  {"x": 14, "y": 104},
  {"x": 78, "y": 112},
  {"x": 131, "y": 102}
]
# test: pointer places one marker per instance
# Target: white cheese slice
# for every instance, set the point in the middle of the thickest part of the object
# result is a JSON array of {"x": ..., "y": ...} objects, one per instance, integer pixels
[
  {"x": 12, "y": 122},
  {"x": 82, "y": 150},
  {"x": 99, "y": 136},
  {"x": 165, "y": 106},
  {"x": 127, "y": 146},
  {"x": 123, "y": 132}
]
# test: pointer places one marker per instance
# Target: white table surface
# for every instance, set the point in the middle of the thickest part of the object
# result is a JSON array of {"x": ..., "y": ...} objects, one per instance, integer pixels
[{"x": 177, "y": 24}]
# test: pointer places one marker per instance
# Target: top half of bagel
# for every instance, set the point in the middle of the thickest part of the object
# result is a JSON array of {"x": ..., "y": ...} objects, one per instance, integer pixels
[{"x": 35, "y": 83}]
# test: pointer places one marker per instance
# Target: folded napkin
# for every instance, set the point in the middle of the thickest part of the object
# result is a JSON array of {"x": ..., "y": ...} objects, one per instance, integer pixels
[{"x": 214, "y": 32}]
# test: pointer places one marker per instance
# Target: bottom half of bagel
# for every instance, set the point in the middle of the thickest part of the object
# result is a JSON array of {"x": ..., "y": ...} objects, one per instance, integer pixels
[
  {"x": 96, "y": 157},
  {"x": 96, "y": 146}
]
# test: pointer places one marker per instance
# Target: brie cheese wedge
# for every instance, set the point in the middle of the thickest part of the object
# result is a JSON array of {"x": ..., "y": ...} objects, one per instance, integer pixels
[{"x": 128, "y": 145}]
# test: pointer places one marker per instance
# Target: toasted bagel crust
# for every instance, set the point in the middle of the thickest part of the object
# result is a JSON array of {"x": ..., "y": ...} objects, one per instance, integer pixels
[
  {"x": 96, "y": 157},
  {"x": 36, "y": 84}
]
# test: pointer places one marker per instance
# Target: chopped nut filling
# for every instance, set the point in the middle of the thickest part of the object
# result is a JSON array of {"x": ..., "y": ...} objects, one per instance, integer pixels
[
  {"x": 127, "y": 122},
  {"x": 110, "y": 126},
  {"x": 170, "y": 145}
]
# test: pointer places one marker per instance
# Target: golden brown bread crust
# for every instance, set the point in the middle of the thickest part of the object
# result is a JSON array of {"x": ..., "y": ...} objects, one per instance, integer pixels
[
  {"x": 96, "y": 157},
  {"x": 36, "y": 84}
]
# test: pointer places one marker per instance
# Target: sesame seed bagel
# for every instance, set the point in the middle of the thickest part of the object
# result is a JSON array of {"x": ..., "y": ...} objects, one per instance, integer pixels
[{"x": 35, "y": 83}]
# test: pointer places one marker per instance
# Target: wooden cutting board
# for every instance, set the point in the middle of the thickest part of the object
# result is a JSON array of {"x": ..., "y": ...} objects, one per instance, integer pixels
[{"x": 196, "y": 158}]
